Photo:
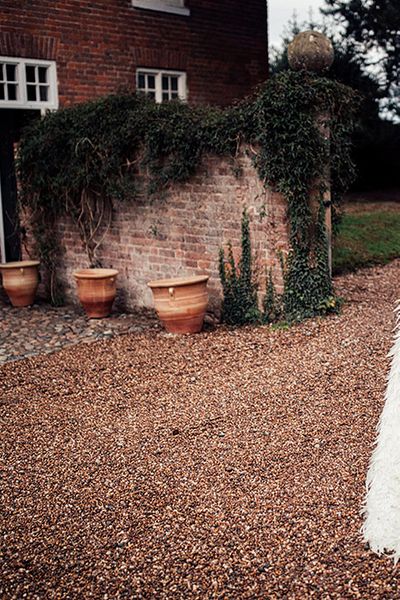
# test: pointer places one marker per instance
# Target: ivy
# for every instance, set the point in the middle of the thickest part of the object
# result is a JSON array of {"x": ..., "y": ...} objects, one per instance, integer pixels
[
  {"x": 86, "y": 159},
  {"x": 239, "y": 282},
  {"x": 272, "y": 307},
  {"x": 292, "y": 115}
]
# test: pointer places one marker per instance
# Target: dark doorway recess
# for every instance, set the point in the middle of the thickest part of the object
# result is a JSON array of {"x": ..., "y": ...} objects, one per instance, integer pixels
[{"x": 12, "y": 122}]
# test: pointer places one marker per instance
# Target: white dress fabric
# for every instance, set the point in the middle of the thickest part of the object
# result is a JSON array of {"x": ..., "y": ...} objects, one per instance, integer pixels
[{"x": 381, "y": 510}]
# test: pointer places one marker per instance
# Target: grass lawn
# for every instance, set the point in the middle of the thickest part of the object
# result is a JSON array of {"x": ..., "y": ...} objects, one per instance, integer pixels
[{"x": 367, "y": 238}]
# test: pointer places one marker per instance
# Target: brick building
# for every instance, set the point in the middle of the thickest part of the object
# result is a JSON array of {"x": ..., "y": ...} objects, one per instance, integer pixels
[{"x": 58, "y": 53}]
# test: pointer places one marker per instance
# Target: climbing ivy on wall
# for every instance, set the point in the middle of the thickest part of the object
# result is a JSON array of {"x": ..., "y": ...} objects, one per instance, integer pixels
[
  {"x": 292, "y": 115},
  {"x": 82, "y": 160},
  {"x": 239, "y": 281}
]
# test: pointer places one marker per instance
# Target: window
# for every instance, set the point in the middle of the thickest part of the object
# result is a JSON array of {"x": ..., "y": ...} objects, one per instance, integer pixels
[
  {"x": 26, "y": 83},
  {"x": 8, "y": 81},
  {"x": 162, "y": 85},
  {"x": 176, "y": 7}
]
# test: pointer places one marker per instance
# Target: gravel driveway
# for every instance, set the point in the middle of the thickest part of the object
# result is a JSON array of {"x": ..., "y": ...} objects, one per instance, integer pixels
[{"x": 229, "y": 464}]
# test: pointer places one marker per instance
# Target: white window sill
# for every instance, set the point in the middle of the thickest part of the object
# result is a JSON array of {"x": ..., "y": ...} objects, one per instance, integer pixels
[
  {"x": 160, "y": 6},
  {"x": 42, "y": 106}
]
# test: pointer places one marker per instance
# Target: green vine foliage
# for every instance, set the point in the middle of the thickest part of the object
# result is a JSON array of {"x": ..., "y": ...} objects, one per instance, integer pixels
[
  {"x": 307, "y": 281},
  {"x": 84, "y": 160},
  {"x": 272, "y": 304},
  {"x": 294, "y": 117},
  {"x": 239, "y": 282}
]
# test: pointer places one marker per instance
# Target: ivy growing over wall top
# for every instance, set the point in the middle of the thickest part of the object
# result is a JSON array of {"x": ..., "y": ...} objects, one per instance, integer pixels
[
  {"x": 83, "y": 159},
  {"x": 100, "y": 146}
]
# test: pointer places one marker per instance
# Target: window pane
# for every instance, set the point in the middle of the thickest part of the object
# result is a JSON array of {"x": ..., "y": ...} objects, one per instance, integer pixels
[
  {"x": 1, "y": 91},
  {"x": 12, "y": 91},
  {"x": 44, "y": 93},
  {"x": 1, "y": 72},
  {"x": 11, "y": 72},
  {"x": 42, "y": 74},
  {"x": 161, "y": 86},
  {"x": 31, "y": 92},
  {"x": 30, "y": 74}
]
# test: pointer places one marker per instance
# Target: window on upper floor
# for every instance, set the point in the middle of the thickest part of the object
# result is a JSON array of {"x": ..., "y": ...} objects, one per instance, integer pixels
[
  {"x": 176, "y": 7},
  {"x": 26, "y": 83},
  {"x": 162, "y": 85}
]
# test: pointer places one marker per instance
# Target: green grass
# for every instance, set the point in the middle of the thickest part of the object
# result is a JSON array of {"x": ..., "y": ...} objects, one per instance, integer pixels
[{"x": 365, "y": 239}]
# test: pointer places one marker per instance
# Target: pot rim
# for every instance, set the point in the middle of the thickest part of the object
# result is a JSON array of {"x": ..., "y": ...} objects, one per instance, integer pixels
[
  {"x": 20, "y": 264},
  {"x": 177, "y": 281},
  {"x": 95, "y": 273}
]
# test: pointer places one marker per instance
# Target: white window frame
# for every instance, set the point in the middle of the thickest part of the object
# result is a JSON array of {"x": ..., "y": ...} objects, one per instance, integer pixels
[
  {"x": 176, "y": 7},
  {"x": 22, "y": 98},
  {"x": 182, "y": 82}
]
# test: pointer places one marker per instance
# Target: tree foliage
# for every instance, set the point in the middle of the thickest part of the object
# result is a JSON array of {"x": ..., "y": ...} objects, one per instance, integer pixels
[{"x": 374, "y": 26}]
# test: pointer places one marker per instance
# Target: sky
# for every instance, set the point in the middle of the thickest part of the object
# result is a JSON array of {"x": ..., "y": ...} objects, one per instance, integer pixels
[{"x": 281, "y": 11}]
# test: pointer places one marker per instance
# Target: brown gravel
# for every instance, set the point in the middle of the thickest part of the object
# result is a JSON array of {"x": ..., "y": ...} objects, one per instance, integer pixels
[{"x": 224, "y": 465}]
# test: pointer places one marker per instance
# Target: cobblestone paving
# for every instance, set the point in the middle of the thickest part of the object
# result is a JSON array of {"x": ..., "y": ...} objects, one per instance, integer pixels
[{"x": 42, "y": 329}]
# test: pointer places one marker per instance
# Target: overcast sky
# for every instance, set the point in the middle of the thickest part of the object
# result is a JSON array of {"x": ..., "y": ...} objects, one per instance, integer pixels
[{"x": 281, "y": 11}]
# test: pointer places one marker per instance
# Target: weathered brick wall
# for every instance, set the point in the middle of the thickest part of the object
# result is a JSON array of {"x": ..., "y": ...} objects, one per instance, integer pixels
[
  {"x": 98, "y": 44},
  {"x": 181, "y": 233}
]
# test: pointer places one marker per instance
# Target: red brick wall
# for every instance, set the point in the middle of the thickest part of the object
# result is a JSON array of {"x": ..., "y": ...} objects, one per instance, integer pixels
[
  {"x": 98, "y": 44},
  {"x": 181, "y": 234}
]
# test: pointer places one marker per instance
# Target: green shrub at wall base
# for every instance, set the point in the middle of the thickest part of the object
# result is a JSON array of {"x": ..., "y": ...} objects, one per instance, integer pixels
[
  {"x": 239, "y": 283},
  {"x": 272, "y": 304}
]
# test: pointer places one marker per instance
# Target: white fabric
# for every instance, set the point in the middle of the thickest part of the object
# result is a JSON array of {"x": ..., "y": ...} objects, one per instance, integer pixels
[{"x": 381, "y": 510}]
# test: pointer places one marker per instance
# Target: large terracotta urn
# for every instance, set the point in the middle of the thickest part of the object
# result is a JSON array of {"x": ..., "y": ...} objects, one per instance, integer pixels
[
  {"x": 96, "y": 291},
  {"x": 181, "y": 303},
  {"x": 20, "y": 281}
]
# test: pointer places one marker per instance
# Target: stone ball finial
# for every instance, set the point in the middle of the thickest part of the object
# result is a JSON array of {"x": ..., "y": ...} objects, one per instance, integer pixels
[{"x": 312, "y": 51}]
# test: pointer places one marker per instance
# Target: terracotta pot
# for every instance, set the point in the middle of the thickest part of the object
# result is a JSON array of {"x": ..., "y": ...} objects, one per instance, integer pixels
[
  {"x": 181, "y": 303},
  {"x": 20, "y": 281},
  {"x": 96, "y": 291}
]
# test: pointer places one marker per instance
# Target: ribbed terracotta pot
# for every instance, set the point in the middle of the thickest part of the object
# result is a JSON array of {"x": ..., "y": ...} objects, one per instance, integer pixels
[
  {"x": 20, "y": 281},
  {"x": 181, "y": 303},
  {"x": 96, "y": 290}
]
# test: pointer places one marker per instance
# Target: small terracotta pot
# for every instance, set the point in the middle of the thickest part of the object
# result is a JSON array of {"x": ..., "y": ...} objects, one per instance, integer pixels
[
  {"x": 96, "y": 291},
  {"x": 20, "y": 281},
  {"x": 181, "y": 303}
]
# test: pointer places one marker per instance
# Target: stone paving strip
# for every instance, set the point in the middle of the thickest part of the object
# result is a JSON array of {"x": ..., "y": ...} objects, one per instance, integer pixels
[{"x": 43, "y": 329}]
